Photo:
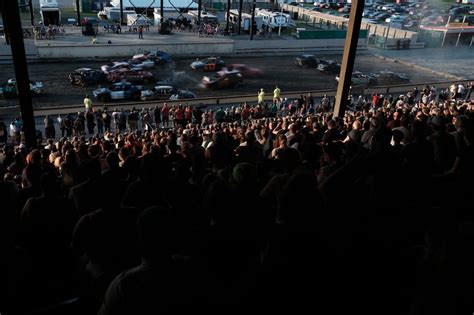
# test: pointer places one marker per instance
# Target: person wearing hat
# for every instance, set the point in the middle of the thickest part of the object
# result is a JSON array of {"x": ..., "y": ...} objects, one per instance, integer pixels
[{"x": 261, "y": 96}]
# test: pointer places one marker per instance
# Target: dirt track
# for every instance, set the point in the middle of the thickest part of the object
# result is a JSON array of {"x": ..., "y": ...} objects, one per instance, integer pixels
[{"x": 277, "y": 70}]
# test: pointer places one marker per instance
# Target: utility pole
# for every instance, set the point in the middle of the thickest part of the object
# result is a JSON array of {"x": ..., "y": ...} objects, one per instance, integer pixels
[
  {"x": 199, "y": 10},
  {"x": 32, "y": 16},
  {"x": 228, "y": 17},
  {"x": 348, "y": 57},
  {"x": 78, "y": 13},
  {"x": 162, "y": 10},
  {"x": 252, "y": 30},
  {"x": 121, "y": 12},
  {"x": 460, "y": 32},
  {"x": 279, "y": 26},
  {"x": 241, "y": 4},
  {"x": 11, "y": 17},
  {"x": 5, "y": 27}
]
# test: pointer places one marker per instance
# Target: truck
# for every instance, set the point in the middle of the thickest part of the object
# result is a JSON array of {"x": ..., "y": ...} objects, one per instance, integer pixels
[
  {"x": 137, "y": 20},
  {"x": 50, "y": 13},
  {"x": 245, "y": 21}
]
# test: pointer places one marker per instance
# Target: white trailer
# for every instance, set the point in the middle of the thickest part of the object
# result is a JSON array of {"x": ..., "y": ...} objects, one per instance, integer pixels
[
  {"x": 169, "y": 13},
  {"x": 206, "y": 17},
  {"x": 137, "y": 20},
  {"x": 50, "y": 13},
  {"x": 245, "y": 21},
  {"x": 275, "y": 19},
  {"x": 113, "y": 14}
]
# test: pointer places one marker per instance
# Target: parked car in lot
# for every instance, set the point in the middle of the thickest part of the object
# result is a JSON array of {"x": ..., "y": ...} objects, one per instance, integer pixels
[
  {"x": 118, "y": 91},
  {"x": 223, "y": 80},
  {"x": 130, "y": 75},
  {"x": 157, "y": 56},
  {"x": 141, "y": 63},
  {"x": 86, "y": 76},
  {"x": 114, "y": 66},
  {"x": 359, "y": 78},
  {"x": 10, "y": 89},
  {"x": 208, "y": 64},
  {"x": 182, "y": 95},
  {"x": 389, "y": 78},
  {"x": 246, "y": 71},
  {"x": 159, "y": 92},
  {"x": 307, "y": 61},
  {"x": 329, "y": 66}
]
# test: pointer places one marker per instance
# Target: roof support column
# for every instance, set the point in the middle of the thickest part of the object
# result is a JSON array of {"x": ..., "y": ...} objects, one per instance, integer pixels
[
  {"x": 12, "y": 20},
  {"x": 348, "y": 57}
]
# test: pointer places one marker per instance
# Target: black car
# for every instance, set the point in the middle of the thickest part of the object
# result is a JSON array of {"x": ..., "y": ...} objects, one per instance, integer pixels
[
  {"x": 159, "y": 92},
  {"x": 307, "y": 61},
  {"x": 223, "y": 80},
  {"x": 182, "y": 95},
  {"x": 86, "y": 76},
  {"x": 330, "y": 66},
  {"x": 389, "y": 78},
  {"x": 208, "y": 64}
]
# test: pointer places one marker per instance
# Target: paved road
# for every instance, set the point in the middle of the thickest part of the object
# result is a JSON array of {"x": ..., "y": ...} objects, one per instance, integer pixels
[{"x": 455, "y": 61}]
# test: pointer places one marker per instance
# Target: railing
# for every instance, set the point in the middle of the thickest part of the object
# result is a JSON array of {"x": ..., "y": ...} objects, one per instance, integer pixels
[{"x": 283, "y": 50}]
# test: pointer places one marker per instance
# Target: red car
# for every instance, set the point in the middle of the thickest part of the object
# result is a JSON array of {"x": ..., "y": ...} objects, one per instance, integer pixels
[
  {"x": 246, "y": 71},
  {"x": 134, "y": 76}
]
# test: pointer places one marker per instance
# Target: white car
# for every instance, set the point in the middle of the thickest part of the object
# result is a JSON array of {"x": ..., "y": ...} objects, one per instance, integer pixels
[
  {"x": 396, "y": 18},
  {"x": 141, "y": 63},
  {"x": 114, "y": 66}
]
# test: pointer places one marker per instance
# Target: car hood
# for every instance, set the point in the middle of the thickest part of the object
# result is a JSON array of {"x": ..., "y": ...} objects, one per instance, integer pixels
[
  {"x": 147, "y": 93},
  {"x": 99, "y": 91},
  {"x": 37, "y": 85},
  {"x": 197, "y": 64}
]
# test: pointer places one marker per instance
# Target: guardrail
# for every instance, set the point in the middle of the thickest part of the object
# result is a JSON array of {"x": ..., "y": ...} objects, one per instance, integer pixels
[{"x": 236, "y": 99}]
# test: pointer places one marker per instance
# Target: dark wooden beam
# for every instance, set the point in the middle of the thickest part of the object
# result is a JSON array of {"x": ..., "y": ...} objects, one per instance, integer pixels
[
  {"x": 12, "y": 19},
  {"x": 348, "y": 57}
]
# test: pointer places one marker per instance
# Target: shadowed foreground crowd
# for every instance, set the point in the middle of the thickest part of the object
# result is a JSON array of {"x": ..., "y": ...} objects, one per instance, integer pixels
[{"x": 280, "y": 213}]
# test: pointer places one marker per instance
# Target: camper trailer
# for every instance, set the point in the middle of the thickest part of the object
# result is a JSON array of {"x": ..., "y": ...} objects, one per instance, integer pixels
[
  {"x": 275, "y": 19},
  {"x": 170, "y": 13},
  {"x": 206, "y": 17},
  {"x": 138, "y": 20},
  {"x": 245, "y": 21},
  {"x": 50, "y": 13},
  {"x": 113, "y": 14}
]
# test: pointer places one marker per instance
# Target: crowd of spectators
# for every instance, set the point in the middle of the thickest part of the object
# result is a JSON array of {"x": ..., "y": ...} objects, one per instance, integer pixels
[{"x": 277, "y": 207}]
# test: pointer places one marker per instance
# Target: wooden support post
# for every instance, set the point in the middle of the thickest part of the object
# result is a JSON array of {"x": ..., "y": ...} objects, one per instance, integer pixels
[{"x": 348, "y": 57}]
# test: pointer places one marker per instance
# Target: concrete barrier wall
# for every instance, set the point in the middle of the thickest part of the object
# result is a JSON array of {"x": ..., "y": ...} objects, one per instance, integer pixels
[
  {"x": 301, "y": 45},
  {"x": 106, "y": 50}
]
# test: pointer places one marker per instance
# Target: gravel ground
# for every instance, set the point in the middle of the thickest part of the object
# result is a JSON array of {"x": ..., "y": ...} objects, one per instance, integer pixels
[{"x": 279, "y": 70}]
